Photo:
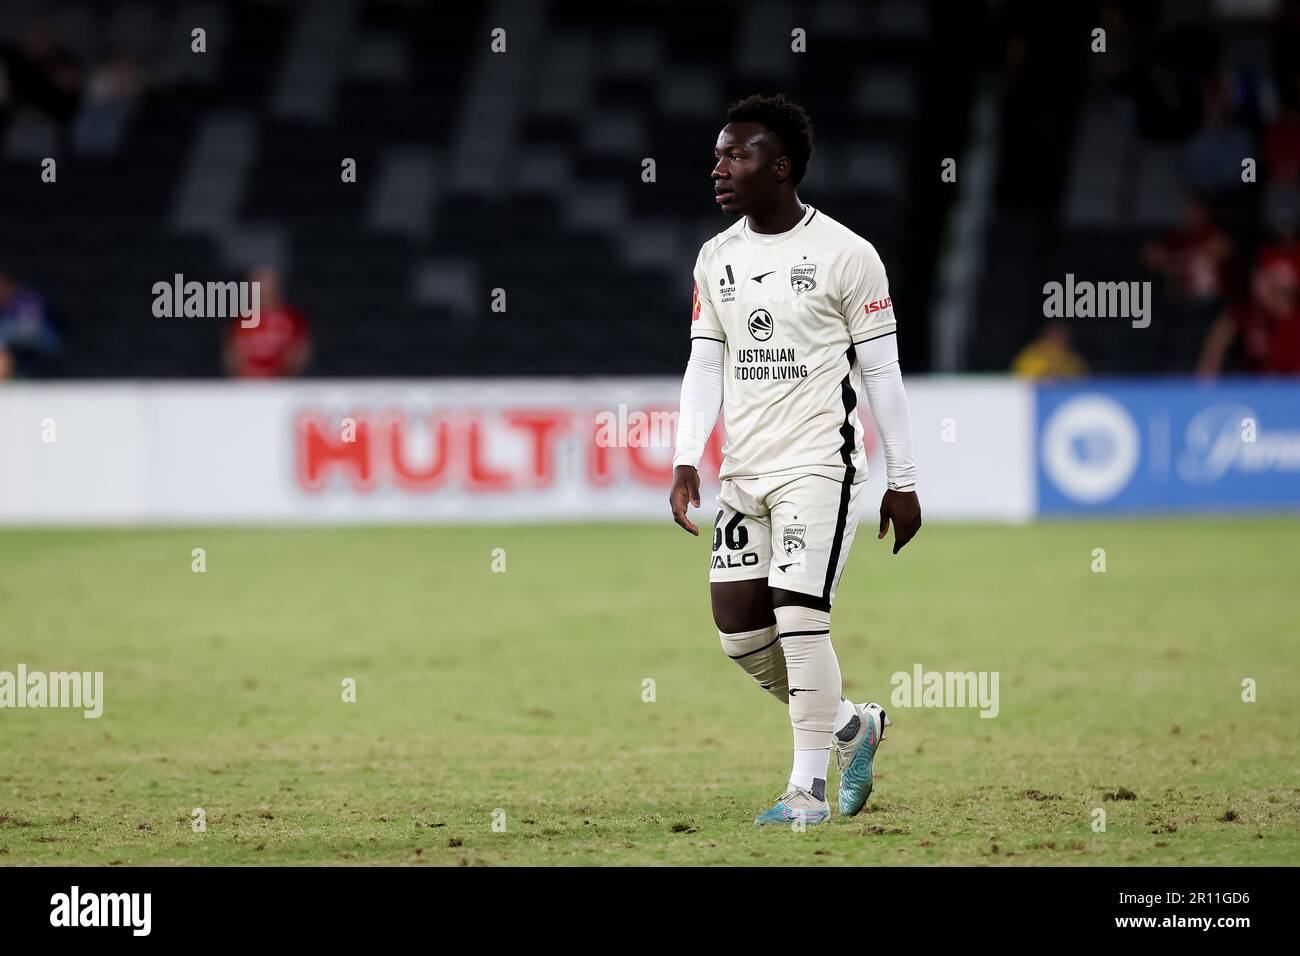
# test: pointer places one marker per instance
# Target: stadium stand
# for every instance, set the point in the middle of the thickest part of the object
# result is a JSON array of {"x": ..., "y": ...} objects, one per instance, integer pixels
[{"x": 476, "y": 171}]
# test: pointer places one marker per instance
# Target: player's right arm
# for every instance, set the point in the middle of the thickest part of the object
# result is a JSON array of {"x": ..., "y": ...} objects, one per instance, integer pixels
[{"x": 701, "y": 398}]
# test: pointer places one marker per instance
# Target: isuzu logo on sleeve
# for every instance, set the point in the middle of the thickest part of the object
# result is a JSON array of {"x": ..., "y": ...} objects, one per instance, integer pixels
[
  {"x": 728, "y": 286},
  {"x": 803, "y": 278}
]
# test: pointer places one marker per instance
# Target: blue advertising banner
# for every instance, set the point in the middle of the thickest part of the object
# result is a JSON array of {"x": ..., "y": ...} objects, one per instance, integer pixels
[{"x": 1146, "y": 446}]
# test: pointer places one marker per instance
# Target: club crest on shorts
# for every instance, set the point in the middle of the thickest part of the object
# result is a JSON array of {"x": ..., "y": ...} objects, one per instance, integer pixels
[
  {"x": 792, "y": 538},
  {"x": 803, "y": 277}
]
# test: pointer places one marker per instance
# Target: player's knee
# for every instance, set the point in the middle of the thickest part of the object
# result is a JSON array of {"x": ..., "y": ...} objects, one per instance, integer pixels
[
  {"x": 741, "y": 606},
  {"x": 758, "y": 652},
  {"x": 804, "y": 631},
  {"x": 732, "y": 620}
]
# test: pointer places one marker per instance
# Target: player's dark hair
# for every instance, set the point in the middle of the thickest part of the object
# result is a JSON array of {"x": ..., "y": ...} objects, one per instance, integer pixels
[{"x": 786, "y": 119}]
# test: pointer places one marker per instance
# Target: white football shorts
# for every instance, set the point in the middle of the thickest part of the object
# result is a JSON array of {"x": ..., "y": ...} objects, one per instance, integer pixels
[{"x": 796, "y": 531}]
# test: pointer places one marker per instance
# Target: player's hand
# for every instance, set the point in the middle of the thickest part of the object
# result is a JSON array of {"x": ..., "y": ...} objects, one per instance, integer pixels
[
  {"x": 686, "y": 490},
  {"x": 904, "y": 509}
]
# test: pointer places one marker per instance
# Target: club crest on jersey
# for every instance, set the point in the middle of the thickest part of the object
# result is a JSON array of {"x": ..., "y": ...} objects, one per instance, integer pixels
[
  {"x": 792, "y": 538},
  {"x": 728, "y": 286},
  {"x": 760, "y": 325},
  {"x": 803, "y": 278}
]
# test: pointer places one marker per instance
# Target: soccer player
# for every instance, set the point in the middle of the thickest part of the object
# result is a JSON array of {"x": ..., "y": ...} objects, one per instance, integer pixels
[{"x": 791, "y": 319}]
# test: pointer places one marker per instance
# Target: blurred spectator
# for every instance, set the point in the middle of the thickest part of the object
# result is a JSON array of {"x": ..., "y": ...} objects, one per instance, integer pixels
[
  {"x": 1284, "y": 245},
  {"x": 1051, "y": 355},
  {"x": 28, "y": 343},
  {"x": 1282, "y": 148},
  {"x": 1193, "y": 258},
  {"x": 110, "y": 98},
  {"x": 1281, "y": 172},
  {"x": 1214, "y": 153},
  {"x": 1264, "y": 330},
  {"x": 42, "y": 75},
  {"x": 279, "y": 345}
]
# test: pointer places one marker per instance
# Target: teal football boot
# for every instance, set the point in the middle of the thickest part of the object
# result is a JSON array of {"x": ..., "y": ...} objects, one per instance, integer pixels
[
  {"x": 798, "y": 804},
  {"x": 854, "y": 757}
]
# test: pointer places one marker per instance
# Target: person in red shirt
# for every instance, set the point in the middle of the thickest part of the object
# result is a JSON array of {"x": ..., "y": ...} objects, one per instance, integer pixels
[
  {"x": 279, "y": 346},
  {"x": 1286, "y": 248},
  {"x": 1192, "y": 258},
  {"x": 1282, "y": 148},
  {"x": 1265, "y": 327}
]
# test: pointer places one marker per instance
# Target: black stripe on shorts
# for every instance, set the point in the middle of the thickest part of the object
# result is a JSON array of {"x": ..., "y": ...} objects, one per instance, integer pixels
[{"x": 850, "y": 399}]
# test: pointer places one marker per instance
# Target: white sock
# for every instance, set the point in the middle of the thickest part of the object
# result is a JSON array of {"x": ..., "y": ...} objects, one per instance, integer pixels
[
  {"x": 844, "y": 713},
  {"x": 810, "y": 766}
]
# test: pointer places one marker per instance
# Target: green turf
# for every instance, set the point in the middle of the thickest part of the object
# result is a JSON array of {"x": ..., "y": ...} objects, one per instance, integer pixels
[{"x": 523, "y": 691}]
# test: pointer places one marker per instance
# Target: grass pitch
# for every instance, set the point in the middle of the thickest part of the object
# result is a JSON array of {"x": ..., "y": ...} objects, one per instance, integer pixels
[{"x": 516, "y": 697}]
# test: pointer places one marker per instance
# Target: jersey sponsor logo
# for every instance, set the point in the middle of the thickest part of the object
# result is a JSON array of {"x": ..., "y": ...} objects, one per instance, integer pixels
[
  {"x": 792, "y": 538},
  {"x": 746, "y": 560},
  {"x": 695, "y": 302},
  {"x": 879, "y": 305},
  {"x": 759, "y": 279},
  {"x": 803, "y": 277},
  {"x": 728, "y": 286},
  {"x": 761, "y": 325}
]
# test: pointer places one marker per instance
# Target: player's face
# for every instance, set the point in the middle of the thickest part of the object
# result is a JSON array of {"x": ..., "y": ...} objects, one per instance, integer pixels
[{"x": 744, "y": 174}]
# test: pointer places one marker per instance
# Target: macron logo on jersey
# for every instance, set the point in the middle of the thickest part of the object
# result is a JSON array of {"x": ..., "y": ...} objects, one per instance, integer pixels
[
  {"x": 695, "y": 303},
  {"x": 879, "y": 305}
]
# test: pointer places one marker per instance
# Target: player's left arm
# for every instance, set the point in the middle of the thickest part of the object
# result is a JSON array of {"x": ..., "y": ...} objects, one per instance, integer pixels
[{"x": 869, "y": 314}]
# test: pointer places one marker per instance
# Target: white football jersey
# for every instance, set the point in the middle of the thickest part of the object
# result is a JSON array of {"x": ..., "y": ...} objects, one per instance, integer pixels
[{"x": 789, "y": 308}]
